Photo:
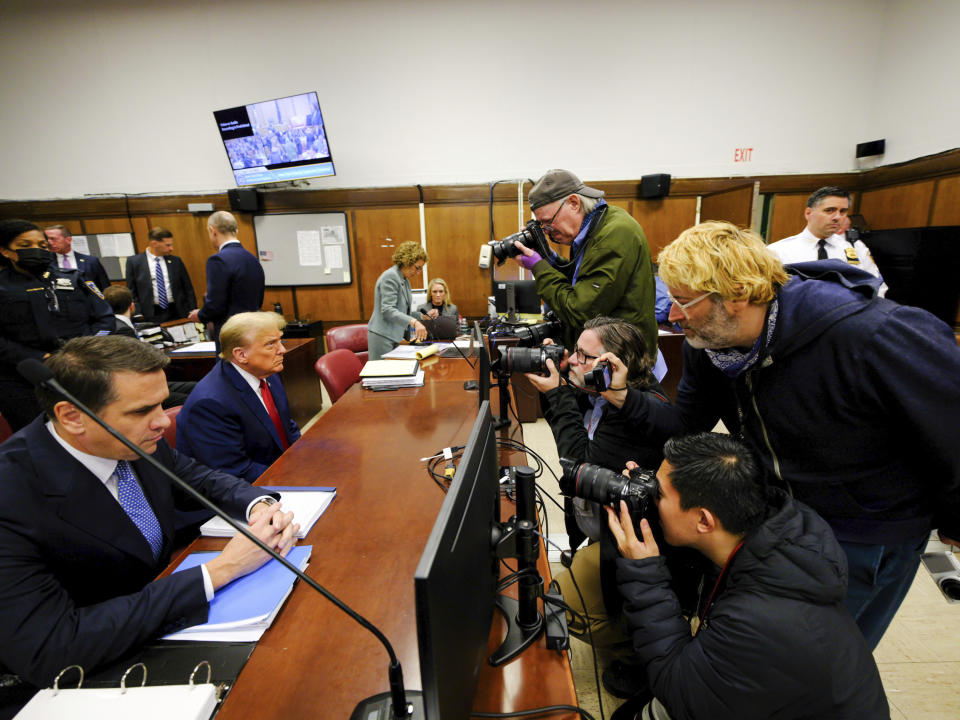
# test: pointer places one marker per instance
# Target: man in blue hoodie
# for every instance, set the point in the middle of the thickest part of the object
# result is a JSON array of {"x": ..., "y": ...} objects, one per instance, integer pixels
[{"x": 849, "y": 400}]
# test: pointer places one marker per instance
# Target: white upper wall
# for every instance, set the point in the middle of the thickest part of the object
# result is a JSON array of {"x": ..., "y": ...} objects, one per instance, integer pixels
[{"x": 107, "y": 96}]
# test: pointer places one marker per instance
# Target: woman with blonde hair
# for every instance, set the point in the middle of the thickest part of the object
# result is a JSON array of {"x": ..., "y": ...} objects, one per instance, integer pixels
[{"x": 438, "y": 304}]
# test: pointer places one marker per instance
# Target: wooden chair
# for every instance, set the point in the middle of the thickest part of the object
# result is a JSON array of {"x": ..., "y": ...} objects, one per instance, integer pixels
[
  {"x": 349, "y": 337},
  {"x": 338, "y": 370},
  {"x": 170, "y": 434}
]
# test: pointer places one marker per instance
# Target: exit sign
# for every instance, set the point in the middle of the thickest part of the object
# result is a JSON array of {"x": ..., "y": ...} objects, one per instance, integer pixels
[{"x": 743, "y": 154}]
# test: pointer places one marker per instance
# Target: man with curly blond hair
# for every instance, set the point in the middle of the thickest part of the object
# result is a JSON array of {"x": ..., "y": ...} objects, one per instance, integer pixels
[{"x": 849, "y": 400}]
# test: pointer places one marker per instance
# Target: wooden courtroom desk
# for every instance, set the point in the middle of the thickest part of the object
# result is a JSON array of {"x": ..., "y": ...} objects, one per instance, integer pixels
[
  {"x": 299, "y": 378},
  {"x": 316, "y": 662}
]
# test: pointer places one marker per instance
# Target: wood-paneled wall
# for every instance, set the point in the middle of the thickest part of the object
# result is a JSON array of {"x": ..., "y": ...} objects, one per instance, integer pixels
[{"x": 457, "y": 222}]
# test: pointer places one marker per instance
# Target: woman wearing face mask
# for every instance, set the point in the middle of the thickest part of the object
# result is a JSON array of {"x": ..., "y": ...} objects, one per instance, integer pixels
[{"x": 41, "y": 307}]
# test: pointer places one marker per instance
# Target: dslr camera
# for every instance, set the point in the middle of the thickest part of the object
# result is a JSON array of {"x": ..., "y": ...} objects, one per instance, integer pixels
[
  {"x": 597, "y": 379},
  {"x": 531, "y": 236},
  {"x": 530, "y": 360},
  {"x": 528, "y": 335},
  {"x": 592, "y": 482}
]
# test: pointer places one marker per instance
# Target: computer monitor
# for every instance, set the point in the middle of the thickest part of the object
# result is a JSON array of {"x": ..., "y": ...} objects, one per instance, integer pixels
[
  {"x": 455, "y": 583},
  {"x": 524, "y": 293},
  {"x": 483, "y": 365}
]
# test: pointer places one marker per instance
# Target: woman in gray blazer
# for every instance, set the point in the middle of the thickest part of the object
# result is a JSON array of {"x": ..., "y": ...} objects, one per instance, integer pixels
[{"x": 391, "y": 318}]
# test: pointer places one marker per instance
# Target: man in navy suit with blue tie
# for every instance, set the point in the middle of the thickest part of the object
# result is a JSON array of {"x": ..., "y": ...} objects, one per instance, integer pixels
[
  {"x": 86, "y": 526},
  {"x": 237, "y": 418},
  {"x": 234, "y": 276}
]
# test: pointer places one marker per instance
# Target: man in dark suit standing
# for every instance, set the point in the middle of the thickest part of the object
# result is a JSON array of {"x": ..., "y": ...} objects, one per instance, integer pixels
[
  {"x": 234, "y": 276},
  {"x": 60, "y": 241},
  {"x": 237, "y": 419},
  {"x": 159, "y": 280},
  {"x": 85, "y": 526}
]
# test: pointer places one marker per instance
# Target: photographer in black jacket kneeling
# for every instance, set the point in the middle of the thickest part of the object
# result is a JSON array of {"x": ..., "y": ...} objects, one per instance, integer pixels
[{"x": 774, "y": 638}]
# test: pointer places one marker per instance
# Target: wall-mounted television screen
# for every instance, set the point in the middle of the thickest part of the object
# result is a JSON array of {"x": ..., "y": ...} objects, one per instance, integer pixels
[{"x": 276, "y": 141}]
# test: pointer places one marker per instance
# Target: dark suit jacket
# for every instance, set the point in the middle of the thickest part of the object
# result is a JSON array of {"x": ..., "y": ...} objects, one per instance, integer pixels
[
  {"x": 123, "y": 329},
  {"x": 139, "y": 274},
  {"x": 75, "y": 572},
  {"x": 91, "y": 269},
  {"x": 234, "y": 285},
  {"x": 224, "y": 425}
]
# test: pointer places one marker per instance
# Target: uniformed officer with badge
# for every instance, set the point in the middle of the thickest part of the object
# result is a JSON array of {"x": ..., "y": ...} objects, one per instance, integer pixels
[{"x": 41, "y": 307}]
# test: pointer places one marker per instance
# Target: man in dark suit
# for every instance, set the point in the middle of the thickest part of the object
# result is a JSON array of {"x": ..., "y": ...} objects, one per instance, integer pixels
[
  {"x": 159, "y": 280},
  {"x": 234, "y": 276},
  {"x": 121, "y": 302},
  {"x": 82, "y": 536},
  {"x": 237, "y": 419},
  {"x": 60, "y": 241}
]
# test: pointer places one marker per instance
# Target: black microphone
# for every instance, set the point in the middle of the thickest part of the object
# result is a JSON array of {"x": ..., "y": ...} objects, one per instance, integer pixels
[{"x": 39, "y": 375}]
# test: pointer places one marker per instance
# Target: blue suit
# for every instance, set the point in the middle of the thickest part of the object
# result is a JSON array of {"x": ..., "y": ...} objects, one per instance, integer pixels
[
  {"x": 224, "y": 424},
  {"x": 92, "y": 269},
  {"x": 234, "y": 285},
  {"x": 76, "y": 575}
]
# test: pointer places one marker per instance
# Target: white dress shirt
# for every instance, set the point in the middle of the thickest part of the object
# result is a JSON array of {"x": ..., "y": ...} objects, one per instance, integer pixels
[
  {"x": 152, "y": 266},
  {"x": 804, "y": 247}
]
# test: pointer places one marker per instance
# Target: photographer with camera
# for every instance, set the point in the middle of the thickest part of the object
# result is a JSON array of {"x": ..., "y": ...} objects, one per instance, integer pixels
[
  {"x": 609, "y": 271},
  {"x": 774, "y": 638},
  {"x": 849, "y": 400}
]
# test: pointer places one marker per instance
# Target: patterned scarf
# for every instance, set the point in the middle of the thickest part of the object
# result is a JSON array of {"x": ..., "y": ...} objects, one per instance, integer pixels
[{"x": 732, "y": 362}]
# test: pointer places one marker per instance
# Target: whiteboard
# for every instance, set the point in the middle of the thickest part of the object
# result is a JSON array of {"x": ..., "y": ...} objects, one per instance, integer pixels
[{"x": 304, "y": 248}]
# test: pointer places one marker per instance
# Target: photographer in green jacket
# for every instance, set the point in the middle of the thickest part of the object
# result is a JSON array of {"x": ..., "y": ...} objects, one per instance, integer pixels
[{"x": 609, "y": 271}]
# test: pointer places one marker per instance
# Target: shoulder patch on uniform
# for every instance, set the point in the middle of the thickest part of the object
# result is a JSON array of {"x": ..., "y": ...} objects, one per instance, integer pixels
[{"x": 94, "y": 289}]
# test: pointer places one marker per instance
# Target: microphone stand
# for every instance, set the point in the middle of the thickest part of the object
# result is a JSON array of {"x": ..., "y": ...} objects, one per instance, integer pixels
[{"x": 395, "y": 701}]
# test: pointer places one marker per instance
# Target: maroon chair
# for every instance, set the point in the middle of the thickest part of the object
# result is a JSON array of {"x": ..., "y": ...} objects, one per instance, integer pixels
[
  {"x": 170, "y": 434},
  {"x": 5, "y": 429},
  {"x": 338, "y": 370},
  {"x": 349, "y": 337}
]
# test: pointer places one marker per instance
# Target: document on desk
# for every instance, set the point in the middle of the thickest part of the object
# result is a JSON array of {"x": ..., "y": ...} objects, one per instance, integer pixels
[
  {"x": 200, "y": 347},
  {"x": 244, "y": 609},
  {"x": 307, "y": 504},
  {"x": 394, "y": 383},
  {"x": 389, "y": 368}
]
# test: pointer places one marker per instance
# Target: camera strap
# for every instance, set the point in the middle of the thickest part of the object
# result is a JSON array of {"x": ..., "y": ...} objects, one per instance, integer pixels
[{"x": 716, "y": 587}]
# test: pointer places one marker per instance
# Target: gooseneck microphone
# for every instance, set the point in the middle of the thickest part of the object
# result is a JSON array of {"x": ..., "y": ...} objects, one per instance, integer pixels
[{"x": 39, "y": 375}]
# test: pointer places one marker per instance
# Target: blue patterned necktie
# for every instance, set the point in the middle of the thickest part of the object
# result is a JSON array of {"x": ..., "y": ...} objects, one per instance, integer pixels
[
  {"x": 135, "y": 504},
  {"x": 161, "y": 286}
]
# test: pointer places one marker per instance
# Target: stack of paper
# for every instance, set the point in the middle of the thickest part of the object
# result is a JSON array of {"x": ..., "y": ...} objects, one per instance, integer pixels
[
  {"x": 306, "y": 503},
  {"x": 390, "y": 374},
  {"x": 244, "y": 609}
]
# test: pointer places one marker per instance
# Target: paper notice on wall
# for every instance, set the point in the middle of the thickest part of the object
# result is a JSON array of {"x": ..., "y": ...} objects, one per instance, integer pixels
[
  {"x": 334, "y": 256},
  {"x": 116, "y": 245},
  {"x": 80, "y": 244},
  {"x": 333, "y": 234},
  {"x": 309, "y": 247}
]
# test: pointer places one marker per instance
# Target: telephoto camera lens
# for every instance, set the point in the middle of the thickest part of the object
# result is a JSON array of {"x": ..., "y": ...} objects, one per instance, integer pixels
[
  {"x": 535, "y": 334},
  {"x": 531, "y": 236},
  {"x": 531, "y": 360},
  {"x": 592, "y": 482}
]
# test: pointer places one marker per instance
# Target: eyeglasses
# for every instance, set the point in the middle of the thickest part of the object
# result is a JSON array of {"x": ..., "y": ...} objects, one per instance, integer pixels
[
  {"x": 683, "y": 306},
  {"x": 549, "y": 223},
  {"x": 582, "y": 357}
]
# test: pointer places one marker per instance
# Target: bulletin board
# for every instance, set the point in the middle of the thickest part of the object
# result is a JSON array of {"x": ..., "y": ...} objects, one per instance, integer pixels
[{"x": 304, "y": 248}]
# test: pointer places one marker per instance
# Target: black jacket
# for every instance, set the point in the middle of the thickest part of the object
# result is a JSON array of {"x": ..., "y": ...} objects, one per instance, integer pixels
[
  {"x": 140, "y": 283},
  {"x": 776, "y": 642}
]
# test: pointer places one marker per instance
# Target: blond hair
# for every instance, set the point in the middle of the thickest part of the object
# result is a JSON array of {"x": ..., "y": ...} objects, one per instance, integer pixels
[
  {"x": 721, "y": 258},
  {"x": 446, "y": 290},
  {"x": 407, "y": 254},
  {"x": 244, "y": 328}
]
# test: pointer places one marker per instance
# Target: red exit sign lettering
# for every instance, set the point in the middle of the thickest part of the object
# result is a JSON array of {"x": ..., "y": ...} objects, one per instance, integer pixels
[{"x": 743, "y": 154}]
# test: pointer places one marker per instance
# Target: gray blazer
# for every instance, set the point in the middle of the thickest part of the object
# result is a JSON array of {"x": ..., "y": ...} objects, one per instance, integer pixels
[{"x": 391, "y": 313}]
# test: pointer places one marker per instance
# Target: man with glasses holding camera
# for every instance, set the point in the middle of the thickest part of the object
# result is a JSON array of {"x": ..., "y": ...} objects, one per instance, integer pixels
[
  {"x": 609, "y": 271},
  {"x": 849, "y": 400},
  {"x": 773, "y": 639}
]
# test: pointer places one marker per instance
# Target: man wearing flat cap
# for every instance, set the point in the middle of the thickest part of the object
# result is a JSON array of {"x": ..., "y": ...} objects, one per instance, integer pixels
[{"x": 609, "y": 271}]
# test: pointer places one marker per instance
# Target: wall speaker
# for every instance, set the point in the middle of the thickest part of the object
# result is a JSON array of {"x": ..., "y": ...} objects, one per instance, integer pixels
[
  {"x": 869, "y": 149},
  {"x": 244, "y": 199},
  {"x": 655, "y": 186}
]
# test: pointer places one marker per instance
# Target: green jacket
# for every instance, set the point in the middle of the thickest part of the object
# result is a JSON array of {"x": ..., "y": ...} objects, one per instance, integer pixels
[{"x": 615, "y": 279}]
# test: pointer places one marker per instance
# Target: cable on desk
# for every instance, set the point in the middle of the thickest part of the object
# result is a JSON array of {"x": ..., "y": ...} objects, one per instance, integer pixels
[{"x": 549, "y": 709}]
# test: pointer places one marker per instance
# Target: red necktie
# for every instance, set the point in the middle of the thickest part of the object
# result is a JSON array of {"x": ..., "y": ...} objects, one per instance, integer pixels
[{"x": 272, "y": 412}]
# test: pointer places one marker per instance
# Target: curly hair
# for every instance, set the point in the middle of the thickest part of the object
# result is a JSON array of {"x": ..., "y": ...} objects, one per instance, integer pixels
[
  {"x": 721, "y": 258},
  {"x": 407, "y": 253}
]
